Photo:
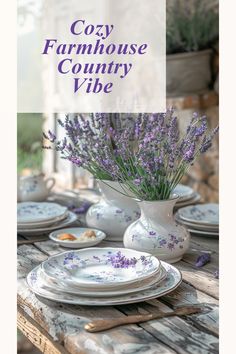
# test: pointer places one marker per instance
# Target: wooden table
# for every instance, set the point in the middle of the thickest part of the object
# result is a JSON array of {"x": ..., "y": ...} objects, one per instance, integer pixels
[{"x": 57, "y": 328}]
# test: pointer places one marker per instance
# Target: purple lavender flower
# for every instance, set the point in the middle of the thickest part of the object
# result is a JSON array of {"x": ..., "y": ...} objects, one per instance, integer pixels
[
  {"x": 120, "y": 261},
  {"x": 203, "y": 259},
  {"x": 145, "y": 152},
  {"x": 81, "y": 209},
  {"x": 152, "y": 233},
  {"x": 51, "y": 136},
  {"x": 170, "y": 246},
  {"x": 146, "y": 260},
  {"x": 163, "y": 242}
]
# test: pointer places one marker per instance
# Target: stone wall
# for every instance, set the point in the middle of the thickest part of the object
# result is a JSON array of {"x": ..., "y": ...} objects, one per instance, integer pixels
[{"x": 204, "y": 175}]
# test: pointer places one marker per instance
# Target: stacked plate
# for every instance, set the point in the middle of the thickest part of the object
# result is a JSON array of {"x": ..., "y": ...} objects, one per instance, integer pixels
[
  {"x": 37, "y": 218},
  {"x": 187, "y": 195},
  {"x": 200, "y": 219},
  {"x": 103, "y": 276}
]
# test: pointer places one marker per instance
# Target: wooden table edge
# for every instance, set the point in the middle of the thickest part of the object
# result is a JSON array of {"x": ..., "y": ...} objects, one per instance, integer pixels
[{"x": 37, "y": 335}]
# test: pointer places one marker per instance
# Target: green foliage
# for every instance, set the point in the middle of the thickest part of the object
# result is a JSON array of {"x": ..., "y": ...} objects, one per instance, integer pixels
[
  {"x": 29, "y": 136},
  {"x": 191, "y": 26}
]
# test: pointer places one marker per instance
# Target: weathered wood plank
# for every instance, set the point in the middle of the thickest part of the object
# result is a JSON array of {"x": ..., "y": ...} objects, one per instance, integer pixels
[
  {"x": 65, "y": 323},
  {"x": 180, "y": 335},
  {"x": 186, "y": 294},
  {"x": 205, "y": 243},
  {"x": 197, "y": 247},
  {"x": 199, "y": 279},
  {"x": 37, "y": 335},
  {"x": 191, "y": 258}
]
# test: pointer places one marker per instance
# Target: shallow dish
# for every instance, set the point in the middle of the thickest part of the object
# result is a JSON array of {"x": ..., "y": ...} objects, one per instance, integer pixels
[
  {"x": 77, "y": 232},
  {"x": 196, "y": 198},
  {"x": 184, "y": 192},
  {"x": 71, "y": 218},
  {"x": 201, "y": 214},
  {"x": 205, "y": 233},
  {"x": 171, "y": 282},
  {"x": 29, "y": 212},
  {"x": 101, "y": 267},
  {"x": 43, "y": 224},
  {"x": 126, "y": 289},
  {"x": 200, "y": 227}
]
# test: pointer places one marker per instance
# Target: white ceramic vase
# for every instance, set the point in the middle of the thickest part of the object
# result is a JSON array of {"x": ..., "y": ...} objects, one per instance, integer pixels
[
  {"x": 114, "y": 212},
  {"x": 157, "y": 232}
]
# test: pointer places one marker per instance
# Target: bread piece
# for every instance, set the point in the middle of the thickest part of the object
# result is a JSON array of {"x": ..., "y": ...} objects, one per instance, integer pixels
[
  {"x": 67, "y": 237},
  {"x": 88, "y": 234}
]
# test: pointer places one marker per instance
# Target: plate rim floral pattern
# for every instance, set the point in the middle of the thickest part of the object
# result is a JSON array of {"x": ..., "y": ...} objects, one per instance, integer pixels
[
  {"x": 183, "y": 196},
  {"x": 72, "y": 217},
  {"x": 199, "y": 227},
  {"x": 94, "y": 282},
  {"x": 183, "y": 211},
  {"x": 132, "y": 298},
  {"x": 49, "y": 211},
  {"x": 108, "y": 293}
]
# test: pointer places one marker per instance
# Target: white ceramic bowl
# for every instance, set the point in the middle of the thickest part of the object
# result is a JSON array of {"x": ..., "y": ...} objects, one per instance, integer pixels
[{"x": 77, "y": 232}]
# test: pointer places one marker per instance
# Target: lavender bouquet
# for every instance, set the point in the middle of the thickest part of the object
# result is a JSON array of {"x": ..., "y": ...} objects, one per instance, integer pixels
[
  {"x": 145, "y": 153},
  {"x": 89, "y": 142},
  {"x": 160, "y": 156}
]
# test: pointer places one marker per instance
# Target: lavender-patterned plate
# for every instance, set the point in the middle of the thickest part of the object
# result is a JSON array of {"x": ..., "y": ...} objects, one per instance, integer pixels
[
  {"x": 101, "y": 267},
  {"x": 201, "y": 214},
  {"x": 70, "y": 219},
  {"x": 39, "y": 287},
  {"x": 125, "y": 289},
  {"x": 29, "y": 212},
  {"x": 184, "y": 192}
]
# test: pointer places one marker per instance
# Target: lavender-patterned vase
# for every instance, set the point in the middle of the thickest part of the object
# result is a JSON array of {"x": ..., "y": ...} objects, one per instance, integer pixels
[
  {"x": 113, "y": 213},
  {"x": 157, "y": 232}
]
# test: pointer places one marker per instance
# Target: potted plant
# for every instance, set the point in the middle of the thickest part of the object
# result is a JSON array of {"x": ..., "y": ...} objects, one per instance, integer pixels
[{"x": 192, "y": 30}]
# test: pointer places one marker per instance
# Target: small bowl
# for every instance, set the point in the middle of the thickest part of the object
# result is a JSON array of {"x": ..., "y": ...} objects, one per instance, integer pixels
[{"x": 77, "y": 232}]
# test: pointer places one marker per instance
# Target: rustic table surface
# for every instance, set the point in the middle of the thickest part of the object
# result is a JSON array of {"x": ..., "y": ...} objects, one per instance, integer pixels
[{"x": 57, "y": 328}]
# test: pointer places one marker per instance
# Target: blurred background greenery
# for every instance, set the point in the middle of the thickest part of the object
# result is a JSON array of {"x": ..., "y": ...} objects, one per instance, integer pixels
[{"x": 29, "y": 142}]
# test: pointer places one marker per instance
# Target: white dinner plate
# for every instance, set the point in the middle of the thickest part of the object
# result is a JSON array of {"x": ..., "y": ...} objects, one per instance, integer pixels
[
  {"x": 58, "y": 225},
  {"x": 205, "y": 233},
  {"x": 101, "y": 267},
  {"x": 184, "y": 192},
  {"x": 126, "y": 289},
  {"x": 77, "y": 232},
  {"x": 201, "y": 214},
  {"x": 29, "y": 212},
  {"x": 42, "y": 224},
  {"x": 200, "y": 227},
  {"x": 196, "y": 198},
  {"x": 171, "y": 282}
]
